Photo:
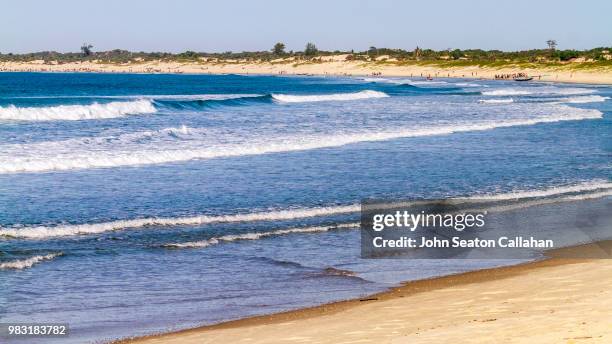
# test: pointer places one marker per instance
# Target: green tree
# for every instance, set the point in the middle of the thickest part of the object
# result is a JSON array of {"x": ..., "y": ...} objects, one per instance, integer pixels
[
  {"x": 86, "y": 49},
  {"x": 456, "y": 54},
  {"x": 417, "y": 53},
  {"x": 372, "y": 51},
  {"x": 311, "y": 49},
  {"x": 189, "y": 55},
  {"x": 279, "y": 48}
]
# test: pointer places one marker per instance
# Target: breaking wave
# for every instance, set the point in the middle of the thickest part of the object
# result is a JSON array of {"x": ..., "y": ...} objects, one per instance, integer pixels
[
  {"x": 506, "y": 92},
  {"x": 287, "y": 98},
  {"x": 389, "y": 81},
  {"x": 258, "y": 235},
  {"x": 469, "y": 84},
  {"x": 144, "y": 104},
  {"x": 428, "y": 82},
  {"x": 68, "y": 155},
  {"x": 585, "y": 99},
  {"x": 77, "y": 112},
  {"x": 28, "y": 262},
  {"x": 207, "y": 96},
  {"x": 538, "y": 90},
  {"x": 42, "y": 232},
  {"x": 596, "y": 188},
  {"x": 589, "y": 186}
]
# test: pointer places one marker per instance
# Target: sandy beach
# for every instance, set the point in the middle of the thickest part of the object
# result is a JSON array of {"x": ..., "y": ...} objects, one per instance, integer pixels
[
  {"x": 327, "y": 65},
  {"x": 558, "y": 300}
]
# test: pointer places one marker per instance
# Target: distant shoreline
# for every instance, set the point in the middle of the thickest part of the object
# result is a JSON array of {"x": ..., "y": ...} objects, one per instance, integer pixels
[{"x": 332, "y": 66}]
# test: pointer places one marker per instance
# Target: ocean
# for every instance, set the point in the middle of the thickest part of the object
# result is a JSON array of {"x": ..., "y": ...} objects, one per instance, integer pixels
[{"x": 135, "y": 204}]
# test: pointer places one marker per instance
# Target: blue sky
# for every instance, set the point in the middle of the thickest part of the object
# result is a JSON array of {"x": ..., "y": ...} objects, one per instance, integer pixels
[{"x": 175, "y": 26}]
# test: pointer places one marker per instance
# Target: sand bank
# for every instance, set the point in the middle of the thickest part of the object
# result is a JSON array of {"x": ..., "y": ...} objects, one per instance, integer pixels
[
  {"x": 557, "y": 300},
  {"x": 330, "y": 66}
]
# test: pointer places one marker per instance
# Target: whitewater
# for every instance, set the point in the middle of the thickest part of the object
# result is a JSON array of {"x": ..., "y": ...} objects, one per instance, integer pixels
[
  {"x": 77, "y": 112},
  {"x": 599, "y": 188},
  {"x": 97, "y": 153},
  {"x": 20, "y": 264}
]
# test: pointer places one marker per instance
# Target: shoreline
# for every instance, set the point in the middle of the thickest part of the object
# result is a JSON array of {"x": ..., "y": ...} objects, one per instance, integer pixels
[
  {"x": 332, "y": 67},
  {"x": 439, "y": 290}
]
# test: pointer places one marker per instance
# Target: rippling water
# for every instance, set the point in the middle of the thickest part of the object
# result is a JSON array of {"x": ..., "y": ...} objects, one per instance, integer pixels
[{"x": 132, "y": 204}]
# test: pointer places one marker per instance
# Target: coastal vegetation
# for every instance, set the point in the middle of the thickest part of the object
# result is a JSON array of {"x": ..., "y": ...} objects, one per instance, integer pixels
[{"x": 545, "y": 57}]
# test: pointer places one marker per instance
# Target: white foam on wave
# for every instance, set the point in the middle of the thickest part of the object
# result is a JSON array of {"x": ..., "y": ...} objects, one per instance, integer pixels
[
  {"x": 589, "y": 196},
  {"x": 428, "y": 82},
  {"x": 66, "y": 155},
  {"x": 367, "y": 94},
  {"x": 544, "y": 90},
  {"x": 259, "y": 235},
  {"x": 507, "y": 92},
  {"x": 554, "y": 191},
  {"x": 28, "y": 262},
  {"x": 388, "y": 81},
  {"x": 182, "y": 132},
  {"x": 41, "y": 232},
  {"x": 571, "y": 91},
  {"x": 588, "y": 186},
  {"x": 148, "y": 96},
  {"x": 50, "y": 231},
  {"x": 496, "y": 101},
  {"x": 585, "y": 99},
  {"x": 541, "y": 195},
  {"x": 77, "y": 112},
  {"x": 468, "y": 84}
]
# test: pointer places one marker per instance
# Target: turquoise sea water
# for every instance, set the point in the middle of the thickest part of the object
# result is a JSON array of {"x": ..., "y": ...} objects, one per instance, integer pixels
[{"x": 133, "y": 204}]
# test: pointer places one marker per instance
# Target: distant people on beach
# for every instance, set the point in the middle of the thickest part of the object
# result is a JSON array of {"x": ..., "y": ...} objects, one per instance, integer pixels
[{"x": 511, "y": 76}]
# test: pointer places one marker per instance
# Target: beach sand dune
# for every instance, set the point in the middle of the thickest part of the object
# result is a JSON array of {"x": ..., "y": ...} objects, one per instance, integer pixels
[
  {"x": 330, "y": 65},
  {"x": 552, "y": 301}
]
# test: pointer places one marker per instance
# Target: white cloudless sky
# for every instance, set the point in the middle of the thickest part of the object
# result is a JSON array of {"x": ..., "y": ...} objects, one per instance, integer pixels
[{"x": 236, "y": 25}]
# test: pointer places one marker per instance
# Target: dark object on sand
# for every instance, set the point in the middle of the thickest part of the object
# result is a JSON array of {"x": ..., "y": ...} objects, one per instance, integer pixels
[{"x": 523, "y": 78}]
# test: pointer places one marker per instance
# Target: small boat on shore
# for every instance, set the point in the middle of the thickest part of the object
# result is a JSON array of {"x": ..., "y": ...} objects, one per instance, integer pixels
[{"x": 523, "y": 78}]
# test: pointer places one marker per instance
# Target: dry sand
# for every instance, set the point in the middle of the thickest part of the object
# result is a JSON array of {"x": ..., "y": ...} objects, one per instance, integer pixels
[
  {"x": 557, "y": 300},
  {"x": 331, "y": 65}
]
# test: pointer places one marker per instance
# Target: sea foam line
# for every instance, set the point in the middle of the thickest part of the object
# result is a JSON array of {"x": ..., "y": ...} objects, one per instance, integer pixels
[
  {"x": 588, "y": 186},
  {"x": 259, "y": 235},
  {"x": 206, "y": 96},
  {"x": 287, "y": 98},
  {"x": 42, "y": 232},
  {"x": 106, "y": 159},
  {"x": 77, "y": 112},
  {"x": 496, "y": 101},
  {"x": 507, "y": 92},
  {"x": 538, "y": 90},
  {"x": 27, "y": 263},
  {"x": 318, "y": 229},
  {"x": 585, "y": 99}
]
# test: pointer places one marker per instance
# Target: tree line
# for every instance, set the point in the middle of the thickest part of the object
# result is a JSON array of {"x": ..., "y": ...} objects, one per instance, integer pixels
[{"x": 549, "y": 54}]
